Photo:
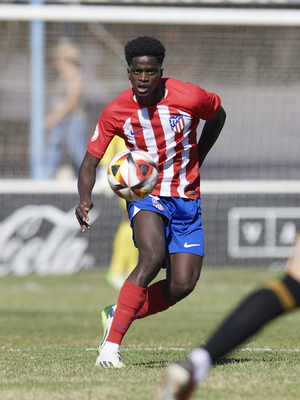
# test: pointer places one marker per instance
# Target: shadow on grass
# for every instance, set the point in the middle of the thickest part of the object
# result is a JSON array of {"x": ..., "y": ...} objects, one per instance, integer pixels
[
  {"x": 165, "y": 363},
  {"x": 152, "y": 364},
  {"x": 225, "y": 361}
]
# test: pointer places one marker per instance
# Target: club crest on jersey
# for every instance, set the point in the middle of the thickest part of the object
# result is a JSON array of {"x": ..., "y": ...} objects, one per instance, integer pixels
[{"x": 177, "y": 123}]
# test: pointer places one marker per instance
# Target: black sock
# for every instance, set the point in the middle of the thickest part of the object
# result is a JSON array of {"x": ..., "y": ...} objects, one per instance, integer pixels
[
  {"x": 254, "y": 312},
  {"x": 294, "y": 288}
]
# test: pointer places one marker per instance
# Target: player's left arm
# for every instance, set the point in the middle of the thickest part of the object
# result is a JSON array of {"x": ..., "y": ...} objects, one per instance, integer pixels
[{"x": 210, "y": 134}]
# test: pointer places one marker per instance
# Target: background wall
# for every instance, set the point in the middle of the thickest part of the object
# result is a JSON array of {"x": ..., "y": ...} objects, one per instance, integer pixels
[{"x": 255, "y": 71}]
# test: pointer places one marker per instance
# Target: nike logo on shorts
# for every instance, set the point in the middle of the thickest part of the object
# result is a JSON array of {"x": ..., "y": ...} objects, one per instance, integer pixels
[{"x": 190, "y": 245}]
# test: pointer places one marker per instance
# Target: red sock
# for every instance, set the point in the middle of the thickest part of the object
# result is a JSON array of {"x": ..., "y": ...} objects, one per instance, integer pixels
[
  {"x": 131, "y": 299},
  {"x": 155, "y": 301}
]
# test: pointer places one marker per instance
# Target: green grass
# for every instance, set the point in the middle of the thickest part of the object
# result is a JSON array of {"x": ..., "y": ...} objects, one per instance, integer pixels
[{"x": 50, "y": 328}]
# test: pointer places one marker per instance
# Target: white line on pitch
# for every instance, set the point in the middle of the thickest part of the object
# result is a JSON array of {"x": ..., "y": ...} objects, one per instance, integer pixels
[
  {"x": 179, "y": 349},
  {"x": 182, "y": 349},
  {"x": 145, "y": 348},
  {"x": 262, "y": 349}
]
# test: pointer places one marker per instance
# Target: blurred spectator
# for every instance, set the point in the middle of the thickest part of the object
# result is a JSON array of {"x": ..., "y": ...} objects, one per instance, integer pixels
[{"x": 66, "y": 121}]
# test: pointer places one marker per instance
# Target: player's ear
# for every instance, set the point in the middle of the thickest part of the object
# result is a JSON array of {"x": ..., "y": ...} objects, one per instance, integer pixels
[
  {"x": 161, "y": 72},
  {"x": 128, "y": 73}
]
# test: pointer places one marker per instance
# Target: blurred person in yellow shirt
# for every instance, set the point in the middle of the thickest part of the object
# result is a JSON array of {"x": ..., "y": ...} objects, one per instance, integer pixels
[{"x": 125, "y": 255}]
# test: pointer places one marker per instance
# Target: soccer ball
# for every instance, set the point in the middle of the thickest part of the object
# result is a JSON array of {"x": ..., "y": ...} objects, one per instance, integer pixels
[{"x": 132, "y": 174}]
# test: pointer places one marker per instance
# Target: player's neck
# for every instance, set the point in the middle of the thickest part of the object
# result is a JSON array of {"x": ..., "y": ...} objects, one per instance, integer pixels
[{"x": 155, "y": 98}]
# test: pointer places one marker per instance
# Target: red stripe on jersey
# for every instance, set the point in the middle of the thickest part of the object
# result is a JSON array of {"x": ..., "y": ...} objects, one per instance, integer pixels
[
  {"x": 192, "y": 169},
  {"x": 177, "y": 167}
]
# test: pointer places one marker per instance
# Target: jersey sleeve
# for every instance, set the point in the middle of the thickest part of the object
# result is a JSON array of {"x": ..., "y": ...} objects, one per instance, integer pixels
[
  {"x": 106, "y": 129},
  {"x": 211, "y": 106},
  {"x": 207, "y": 105}
]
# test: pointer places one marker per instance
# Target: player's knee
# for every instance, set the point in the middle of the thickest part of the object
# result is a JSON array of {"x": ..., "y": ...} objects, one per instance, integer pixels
[
  {"x": 149, "y": 265},
  {"x": 152, "y": 259},
  {"x": 180, "y": 290}
]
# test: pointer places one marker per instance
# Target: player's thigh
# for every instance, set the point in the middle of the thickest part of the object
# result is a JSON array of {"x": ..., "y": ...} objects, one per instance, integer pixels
[{"x": 149, "y": 233}]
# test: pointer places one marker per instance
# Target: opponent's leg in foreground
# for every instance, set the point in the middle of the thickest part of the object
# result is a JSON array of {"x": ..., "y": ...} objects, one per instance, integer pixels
[{"x": 278, "y": 297}]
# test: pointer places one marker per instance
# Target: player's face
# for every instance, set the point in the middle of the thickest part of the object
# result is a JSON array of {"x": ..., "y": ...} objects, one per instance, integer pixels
[{"x": 144, "y": 74}]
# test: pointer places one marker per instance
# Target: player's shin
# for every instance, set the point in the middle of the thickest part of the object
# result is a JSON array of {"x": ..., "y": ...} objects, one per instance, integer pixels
[{"x": 130, "y": 301}]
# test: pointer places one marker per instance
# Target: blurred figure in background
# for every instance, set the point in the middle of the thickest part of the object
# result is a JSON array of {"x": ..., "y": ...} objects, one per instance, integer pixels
[
  {"x": 65, "y": 124},
  {"x": 125, "y": 255}
]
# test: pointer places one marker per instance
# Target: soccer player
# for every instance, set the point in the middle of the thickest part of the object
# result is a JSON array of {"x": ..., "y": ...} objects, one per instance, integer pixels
[
  {"x": 275, "y": 299},
  {"x": 158, "y": 115}
]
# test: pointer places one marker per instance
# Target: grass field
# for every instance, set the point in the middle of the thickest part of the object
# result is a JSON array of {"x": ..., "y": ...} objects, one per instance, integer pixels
[{"x": 50, "y": 329}]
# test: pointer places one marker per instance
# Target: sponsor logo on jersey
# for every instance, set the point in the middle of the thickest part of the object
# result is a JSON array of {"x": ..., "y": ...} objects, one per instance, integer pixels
[
  {"x": 134, "y": 133},
  {"x": 177, "y": 123}
]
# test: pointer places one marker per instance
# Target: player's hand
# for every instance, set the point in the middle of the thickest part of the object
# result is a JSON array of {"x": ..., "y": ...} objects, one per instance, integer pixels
[{"x": 81, "y": 212}]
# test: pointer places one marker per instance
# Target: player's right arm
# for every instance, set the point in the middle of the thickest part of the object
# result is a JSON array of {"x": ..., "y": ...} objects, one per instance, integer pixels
[{"x": 86, "y": 182}]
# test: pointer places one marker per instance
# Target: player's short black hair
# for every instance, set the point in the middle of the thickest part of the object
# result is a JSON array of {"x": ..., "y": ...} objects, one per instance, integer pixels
[{"x": 145, "y": 46}]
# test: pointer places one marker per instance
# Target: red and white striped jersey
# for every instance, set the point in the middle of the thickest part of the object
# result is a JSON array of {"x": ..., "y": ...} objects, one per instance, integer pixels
[{"x": 167, "y": 131}]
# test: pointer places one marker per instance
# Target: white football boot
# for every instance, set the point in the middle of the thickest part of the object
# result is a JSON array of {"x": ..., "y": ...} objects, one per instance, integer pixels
[
  {"x": 111, "y": 359},
  {"x": 109, "y": 353}
]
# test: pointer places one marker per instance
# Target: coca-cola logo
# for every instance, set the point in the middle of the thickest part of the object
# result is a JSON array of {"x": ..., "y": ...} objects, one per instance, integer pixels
[{"x": 28, "y": 246}]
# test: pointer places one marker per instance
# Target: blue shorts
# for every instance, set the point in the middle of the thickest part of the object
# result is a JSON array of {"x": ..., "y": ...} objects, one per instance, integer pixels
[{"x": 183, "y": 222}]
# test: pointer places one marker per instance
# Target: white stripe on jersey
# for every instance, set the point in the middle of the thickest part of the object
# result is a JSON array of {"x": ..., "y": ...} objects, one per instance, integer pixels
[
  {"x": 127, "y": 127},
  {"x": 148, "y": 133},
  {"x": 182, "y": 173}
]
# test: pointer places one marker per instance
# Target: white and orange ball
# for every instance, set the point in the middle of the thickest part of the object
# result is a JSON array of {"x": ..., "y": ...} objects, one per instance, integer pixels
[{"x": 132, "y": 174}]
